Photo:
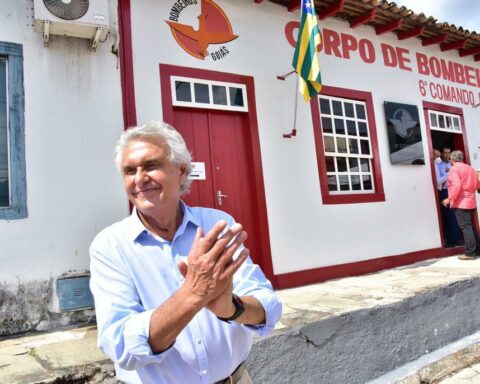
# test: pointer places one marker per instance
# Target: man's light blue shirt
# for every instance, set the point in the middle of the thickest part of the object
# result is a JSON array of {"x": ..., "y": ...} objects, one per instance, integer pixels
[
  {"x": 134, "y": 271},
  {"x": 441, "y": 173}
]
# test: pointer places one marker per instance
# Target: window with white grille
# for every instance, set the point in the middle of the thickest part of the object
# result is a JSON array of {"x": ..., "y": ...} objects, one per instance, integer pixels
[
  {"x": 198, "y": 93},
  {"x": 347, "y": 147},
  {"x": 445, "y": 122}
]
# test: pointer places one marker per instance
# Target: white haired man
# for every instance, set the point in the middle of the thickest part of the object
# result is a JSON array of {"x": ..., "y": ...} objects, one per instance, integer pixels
[
  {"x": 462, "y": 185},
  {"x": 177, "y": 298}
]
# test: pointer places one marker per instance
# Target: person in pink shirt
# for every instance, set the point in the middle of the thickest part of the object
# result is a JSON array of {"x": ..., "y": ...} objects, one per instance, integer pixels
[{"x": 462, "y": 185}]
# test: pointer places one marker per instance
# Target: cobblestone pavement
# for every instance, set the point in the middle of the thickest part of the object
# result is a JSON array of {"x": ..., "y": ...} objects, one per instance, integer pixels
[{"x": 469, "y": 375}]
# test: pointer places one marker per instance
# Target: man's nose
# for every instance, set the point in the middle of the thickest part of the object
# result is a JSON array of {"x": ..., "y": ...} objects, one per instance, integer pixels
[{"x": 141, "y": 177}]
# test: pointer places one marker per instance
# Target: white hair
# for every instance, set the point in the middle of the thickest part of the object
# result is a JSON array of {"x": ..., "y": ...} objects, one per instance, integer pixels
[
  {"x": 177, "y": 149},
  {"x": 456, "y": 156}
]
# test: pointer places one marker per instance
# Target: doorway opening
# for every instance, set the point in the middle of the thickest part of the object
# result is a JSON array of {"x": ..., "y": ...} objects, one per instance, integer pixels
[{"x": 445, "y": 129}]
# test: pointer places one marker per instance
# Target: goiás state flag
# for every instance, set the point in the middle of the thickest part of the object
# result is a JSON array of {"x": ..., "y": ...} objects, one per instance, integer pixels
[{"x": 305, "y": 59}]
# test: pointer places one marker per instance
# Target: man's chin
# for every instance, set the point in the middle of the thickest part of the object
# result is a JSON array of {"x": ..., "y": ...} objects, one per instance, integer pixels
[{"x": 144, "y": 205}]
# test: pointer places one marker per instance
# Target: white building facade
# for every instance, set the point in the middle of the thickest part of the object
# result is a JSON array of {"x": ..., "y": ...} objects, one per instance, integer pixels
[{"x": 338, "y": 186}]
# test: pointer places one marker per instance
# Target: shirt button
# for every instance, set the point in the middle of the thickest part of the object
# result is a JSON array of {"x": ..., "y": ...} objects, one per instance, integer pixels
[
  {"x": 204, "y": 372},
  {"x": 199, "y": 341}
]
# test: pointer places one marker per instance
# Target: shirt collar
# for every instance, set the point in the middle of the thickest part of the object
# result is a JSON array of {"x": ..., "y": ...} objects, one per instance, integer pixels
[
  {"x": 135, "y": 226},
  {"x": 188, "y": 217}
]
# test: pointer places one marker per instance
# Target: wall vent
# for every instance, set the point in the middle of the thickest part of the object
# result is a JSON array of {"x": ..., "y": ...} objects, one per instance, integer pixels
[{"x": 74, "y": 293}]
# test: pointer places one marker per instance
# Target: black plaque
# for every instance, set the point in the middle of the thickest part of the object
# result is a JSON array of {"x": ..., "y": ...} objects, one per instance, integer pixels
[{"x": 404, "y": 134}]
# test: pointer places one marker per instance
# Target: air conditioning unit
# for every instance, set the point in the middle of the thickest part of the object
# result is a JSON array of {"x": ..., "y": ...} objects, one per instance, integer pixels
[{"x": 86, "y": 19}]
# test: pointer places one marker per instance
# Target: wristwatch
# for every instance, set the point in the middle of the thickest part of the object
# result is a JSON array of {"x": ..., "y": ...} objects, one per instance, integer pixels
[{"x": 239, "y": 309}]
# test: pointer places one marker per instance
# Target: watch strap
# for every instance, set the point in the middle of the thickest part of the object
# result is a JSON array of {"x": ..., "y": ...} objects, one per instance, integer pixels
[{"x": 239, "y": 309}]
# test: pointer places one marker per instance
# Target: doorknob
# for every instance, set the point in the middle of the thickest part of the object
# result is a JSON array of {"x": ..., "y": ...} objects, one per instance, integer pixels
[{"x": 220, "y": 196}]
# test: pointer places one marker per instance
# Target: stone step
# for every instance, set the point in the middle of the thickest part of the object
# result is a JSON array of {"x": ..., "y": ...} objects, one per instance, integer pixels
[
  {"x": 353, "y": 330},
  {"x": 449, "y": 363}
]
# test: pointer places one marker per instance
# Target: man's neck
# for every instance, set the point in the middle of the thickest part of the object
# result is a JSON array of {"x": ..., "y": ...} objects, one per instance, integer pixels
[{"x": 163, "y": 224}]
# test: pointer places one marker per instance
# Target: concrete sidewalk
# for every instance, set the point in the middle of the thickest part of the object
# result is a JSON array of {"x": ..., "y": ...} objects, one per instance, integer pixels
[{"x": 348, "y": 330}]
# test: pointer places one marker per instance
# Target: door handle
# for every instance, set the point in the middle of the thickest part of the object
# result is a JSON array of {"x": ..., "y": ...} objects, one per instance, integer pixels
[{"x": 220, "y": 196}]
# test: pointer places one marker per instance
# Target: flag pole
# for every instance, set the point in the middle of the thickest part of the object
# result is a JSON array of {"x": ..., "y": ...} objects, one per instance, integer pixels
[{"x": 293, "y": 133}]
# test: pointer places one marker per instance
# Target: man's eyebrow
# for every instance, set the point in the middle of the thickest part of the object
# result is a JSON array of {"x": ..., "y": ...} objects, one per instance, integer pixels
[{"x": 152, "y": 161}]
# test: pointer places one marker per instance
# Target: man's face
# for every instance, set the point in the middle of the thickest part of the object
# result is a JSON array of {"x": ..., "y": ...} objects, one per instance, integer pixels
[
  {"x": 436, "y": 153},
  {"x": 446, "y": 154},
  {"x": 150, "y": 179}
]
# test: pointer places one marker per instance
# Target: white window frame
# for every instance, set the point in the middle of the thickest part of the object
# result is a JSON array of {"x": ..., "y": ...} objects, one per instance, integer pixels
[
  {"x": 210, "y": 105},
  {"x": 336, "y": 154},
  {"x": 445, "y": 115}
]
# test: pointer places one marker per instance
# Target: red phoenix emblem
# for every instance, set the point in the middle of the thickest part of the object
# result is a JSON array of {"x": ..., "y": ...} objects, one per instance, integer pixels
[{"x": 213, "y": 28}]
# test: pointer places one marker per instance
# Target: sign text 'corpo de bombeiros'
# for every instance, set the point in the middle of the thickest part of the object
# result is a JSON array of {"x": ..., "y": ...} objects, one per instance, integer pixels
[{"x": 344, "y": 45}]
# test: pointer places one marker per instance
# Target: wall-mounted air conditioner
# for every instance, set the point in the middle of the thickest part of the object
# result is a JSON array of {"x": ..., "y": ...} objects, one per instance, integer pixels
[{"x": 86, "y": 19}]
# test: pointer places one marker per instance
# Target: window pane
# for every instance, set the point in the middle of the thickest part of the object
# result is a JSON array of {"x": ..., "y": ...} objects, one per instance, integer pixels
[
  {"x": 330, "y": 161},
  {"x": 362, "y": 129},
  {"x": 349, "y": 112},
  {"x": 4, "y": 194},
  {"x": 329, "y": 145},
  {"x": 364, "y": 147},
  {"x": 201, "y": 93},
  {"x": 367, "y": 182},
  {"x": 356, "y": 186},
  {"x": 342, "y": 164},
  {"x": 351, "y": 128},
  {"x": 337, "y": 108},
  {"x": 353, "y": 163},
  {"x": 433, "y": 119},
  {"x": 327, "y": 125},
  {"x": 325, "y": 106},
  {"x": 236, "y": 97},
  {"x": 441, "y": 121},
  {"x": 339, "y": 127},
  {"x": 456, "y": 123},
  {"x": 449, "y": 122},
  {"x": 344, "y": 184},
  {"x": 183, "y": 92},
  {"x": 219, "y": 95},
  {"x": 353, "y": 144},
  {"x": 332, "y": 183},
  {"x": 365, "y": 165},
  {"x": 360, "y": 111},
  {"x": 341, "y": 145}
]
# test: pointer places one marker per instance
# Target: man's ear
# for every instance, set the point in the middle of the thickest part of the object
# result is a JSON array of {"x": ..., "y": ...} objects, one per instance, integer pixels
[{"x": 183, "y": 169}]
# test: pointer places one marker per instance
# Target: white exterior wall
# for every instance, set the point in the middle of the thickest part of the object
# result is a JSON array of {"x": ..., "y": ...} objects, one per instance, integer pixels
[
  {"x": 305, "y": 233},
  {"x": 73, "y": 115}
]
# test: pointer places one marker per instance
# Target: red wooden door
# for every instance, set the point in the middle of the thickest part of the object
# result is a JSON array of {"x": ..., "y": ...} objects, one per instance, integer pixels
[{"x": 220, "y": 139}]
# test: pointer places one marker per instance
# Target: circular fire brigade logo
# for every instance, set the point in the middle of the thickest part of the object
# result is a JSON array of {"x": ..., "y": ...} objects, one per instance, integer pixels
[{"x": 214, "y": 28}]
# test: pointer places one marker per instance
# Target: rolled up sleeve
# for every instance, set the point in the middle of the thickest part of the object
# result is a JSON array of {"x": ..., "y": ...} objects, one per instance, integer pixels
[{"x": 250, "y": 281}]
